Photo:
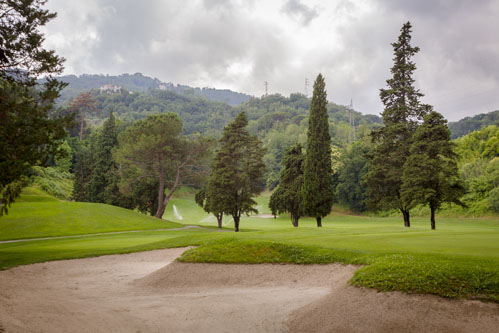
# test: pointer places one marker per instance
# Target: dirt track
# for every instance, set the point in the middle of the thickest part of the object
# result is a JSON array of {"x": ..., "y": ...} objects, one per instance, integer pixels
[{"x": 141, "y": 292}]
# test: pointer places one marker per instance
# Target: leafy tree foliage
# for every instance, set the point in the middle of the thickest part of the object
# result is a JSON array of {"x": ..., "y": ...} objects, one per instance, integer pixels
[
  {"x": 27, "y": 135},
  {"x": 350, "y": 191},
  {"x": 155, "y": 148},
  {"x": 80, "y": 108},
  {"x": 103, "y": 183},
  {"x": 287, "y": 198},
  {"x": 431, "y": 173},
  {"x": 317, "y": 184},
  {"x": 402, "y": 112},
  {"x": 479, "y": 168},
  {"x": 237, "y": 172}
]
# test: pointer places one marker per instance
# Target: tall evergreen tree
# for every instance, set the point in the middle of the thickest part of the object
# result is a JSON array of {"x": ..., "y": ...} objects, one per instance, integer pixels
[
  {"x": 104, "y": 167},
  {"x": 430, "y": 173},
  {"x": 402, "y": 112},
  {"x": 287, "y": 197},
  {"x": 318, "y": 186},
  {"x": 84, "y": 156},
  {"x": 237, "y": 172}
]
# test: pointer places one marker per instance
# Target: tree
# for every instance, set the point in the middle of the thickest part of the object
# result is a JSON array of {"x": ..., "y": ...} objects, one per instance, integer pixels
[
  {"x": 317, "y": 182},
  {"x": 104, "y": 168},
  {"x": 237, "y": 172},
  {"x": 392, "y": 142},
  {"x": 27, "y": 134},
  {"x": 208, "y": 204},
  {"x": 288, "y": 195},
  {"x": 155, "y": 148},
  {"x": 80, "y": 108},
  {"x": 430, "y": 173},
  {"x": 85, "y": 154},
  {"x": 349, "y": 190}
]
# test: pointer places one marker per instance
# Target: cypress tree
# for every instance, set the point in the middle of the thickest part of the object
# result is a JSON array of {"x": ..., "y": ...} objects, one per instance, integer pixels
[
  {"x": 392, "y": 142},
  {"x": 430, "y": 173},
  {"x": 287, "y": 197},
  {"x": 104, "y": 167},
  {"x": 317, "y": 182}
]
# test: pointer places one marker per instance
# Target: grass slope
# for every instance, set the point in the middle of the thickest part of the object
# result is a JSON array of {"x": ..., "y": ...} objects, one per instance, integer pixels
[{"x": 37, "y": 214}]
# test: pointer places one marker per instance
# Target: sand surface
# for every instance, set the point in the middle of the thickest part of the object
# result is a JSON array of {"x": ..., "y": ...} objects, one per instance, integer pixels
[{"x": 148, "y": 292}]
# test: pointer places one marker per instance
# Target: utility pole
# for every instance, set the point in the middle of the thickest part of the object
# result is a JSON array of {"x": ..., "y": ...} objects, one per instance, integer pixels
[
  {"x": 266, "y": 84},
  {"x": 352, "y": 119},
  {"x": 307, "y": 82}
]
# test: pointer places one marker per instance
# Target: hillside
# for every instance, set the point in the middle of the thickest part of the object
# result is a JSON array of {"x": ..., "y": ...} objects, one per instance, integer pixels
[
  {"x": 37, "y": 214},
  {"x": 139, "y": 83},
  {"x": 469, "y": 124}
]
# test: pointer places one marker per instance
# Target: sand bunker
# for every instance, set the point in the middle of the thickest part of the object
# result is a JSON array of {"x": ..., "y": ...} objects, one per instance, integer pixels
[{"x": 144, "y": 292}]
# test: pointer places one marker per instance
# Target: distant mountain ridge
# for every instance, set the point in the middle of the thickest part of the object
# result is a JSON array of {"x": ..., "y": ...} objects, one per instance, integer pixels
[
  {"x": 139, "y": 83},
  {"x": 469, "y": 124}
]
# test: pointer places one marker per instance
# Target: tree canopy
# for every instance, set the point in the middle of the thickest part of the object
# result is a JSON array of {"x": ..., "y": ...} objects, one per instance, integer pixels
[
  {"x": 236, "y": 173},
  {"x": 28, "y": 136},
  {"x": 287, "y": 197},
  {"x": 401, "y": 114}
]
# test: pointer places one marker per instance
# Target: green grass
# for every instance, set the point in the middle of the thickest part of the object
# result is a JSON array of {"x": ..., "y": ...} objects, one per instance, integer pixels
[
  {"x": 459, "y": 259},
  {"x": 37, "y": 214}
]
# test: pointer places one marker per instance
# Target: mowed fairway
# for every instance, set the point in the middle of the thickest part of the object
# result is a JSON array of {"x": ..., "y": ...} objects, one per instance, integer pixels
[{"x": 460, "y": 258}]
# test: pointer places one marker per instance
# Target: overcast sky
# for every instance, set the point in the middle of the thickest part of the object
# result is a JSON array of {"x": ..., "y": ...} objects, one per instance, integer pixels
[{"x": 240, "y": 44}]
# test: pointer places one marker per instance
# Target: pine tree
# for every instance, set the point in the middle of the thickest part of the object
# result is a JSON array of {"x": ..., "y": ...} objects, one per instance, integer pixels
[
  {"x": 430, "y": 173},
  {"x": 287, "y": 197},
  {"x": 317, "y": 182},
  {"x": 392, "y": 142},
  {"x": 104, "y": 166},
  {"x": 237, "y": 172},
  {"x": 83, "y": 170}
]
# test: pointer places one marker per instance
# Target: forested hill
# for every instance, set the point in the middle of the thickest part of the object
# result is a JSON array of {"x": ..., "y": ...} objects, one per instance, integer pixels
[
  {"x": 475, "y": 123},
  {"x": 140, "y": 83},
  {"x": 273, "y": 112}
]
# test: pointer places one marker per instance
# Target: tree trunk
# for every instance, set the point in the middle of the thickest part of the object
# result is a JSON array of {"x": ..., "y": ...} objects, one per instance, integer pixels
[
  {"x": 319, "y": 221},
  {"x": 407, "y": 218},
  {"x": 219, "y": 220},
  {"x": 236, "y": 222},
  {"x": 294, "y": 220},
  {"x": 432, "y": 218},
  {"x": 161, "y": 190},
  {"x": 82, "y": 120},
  {"x": 161, "y": 210}
]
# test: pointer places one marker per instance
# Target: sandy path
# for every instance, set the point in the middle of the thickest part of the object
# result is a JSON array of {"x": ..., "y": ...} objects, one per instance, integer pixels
[{"x": 138, "y": 293}]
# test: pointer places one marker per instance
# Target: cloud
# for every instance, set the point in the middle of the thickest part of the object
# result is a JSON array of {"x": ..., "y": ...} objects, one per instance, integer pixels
[
  {"x": 296, "y": 9},
  {"x": 238, "y": 44}
]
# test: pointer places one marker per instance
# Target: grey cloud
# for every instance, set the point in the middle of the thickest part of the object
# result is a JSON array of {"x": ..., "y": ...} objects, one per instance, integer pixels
[
  {"x": 196, "y": 42},
  {"x": 295, "y": 8}
]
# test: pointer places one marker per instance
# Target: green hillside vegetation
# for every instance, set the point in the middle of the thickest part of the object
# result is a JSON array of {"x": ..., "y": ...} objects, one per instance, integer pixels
[
  {"x": 139, "y": 83},
  {"x": 479, "y": 168},
  {"x": 469, "y": 124}
]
